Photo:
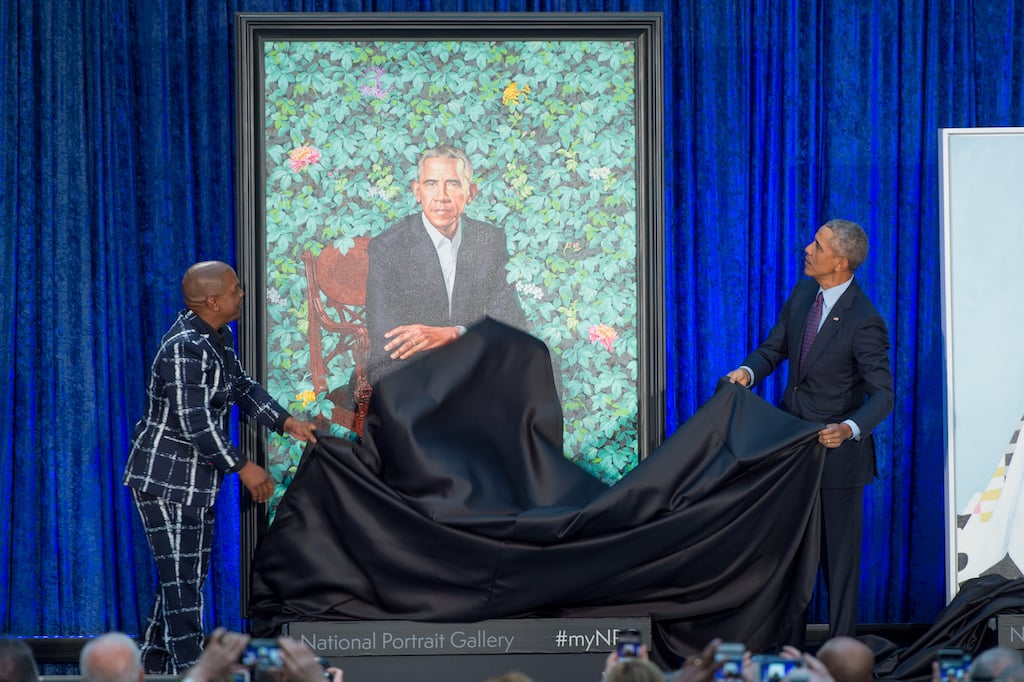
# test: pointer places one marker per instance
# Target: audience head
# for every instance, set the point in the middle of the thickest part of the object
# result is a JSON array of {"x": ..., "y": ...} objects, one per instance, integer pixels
[
  {"x": 1015, "y": 673},
  {"x": 847, "y": 659},
  {"x": 990, "y": 664},
  {"x": 510, "y": 677},
  {"x": 113, "y": 657},
  {"x": 634, "y": 670},
  {"x": 17, "y": 664}
]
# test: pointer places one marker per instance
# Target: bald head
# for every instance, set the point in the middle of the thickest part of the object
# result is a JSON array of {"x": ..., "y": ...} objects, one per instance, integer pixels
[
  {"x": 848, "y": 659},
  {"x": 207, "y": 278},
  {"x": 212, "y": 291},
  {"x": 113, "y": 657}
]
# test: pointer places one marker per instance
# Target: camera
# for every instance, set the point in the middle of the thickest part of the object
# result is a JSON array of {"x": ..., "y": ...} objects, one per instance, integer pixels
[
  {"x": 262, "y": 654},
  {"x": 953, "y": 664},
  {"x": 730, "y": 654},
  {"x": 774, "y": 668},
  {"x": 627, "y": 644}
]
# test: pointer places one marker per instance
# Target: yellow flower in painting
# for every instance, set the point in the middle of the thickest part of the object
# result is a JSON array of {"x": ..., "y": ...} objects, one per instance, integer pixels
[
  {"x": 603, "y": 334},
  {"x": 306, "y": 397},
  {"x": 512, "y": 93}
]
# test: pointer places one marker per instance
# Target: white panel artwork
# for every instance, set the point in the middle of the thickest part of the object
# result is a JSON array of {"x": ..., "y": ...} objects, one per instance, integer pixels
[{"x": 982, "y": 173}]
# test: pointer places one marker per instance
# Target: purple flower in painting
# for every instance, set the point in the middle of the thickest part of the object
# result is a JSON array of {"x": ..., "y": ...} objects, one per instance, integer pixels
[{"x": 377, "y": 90}]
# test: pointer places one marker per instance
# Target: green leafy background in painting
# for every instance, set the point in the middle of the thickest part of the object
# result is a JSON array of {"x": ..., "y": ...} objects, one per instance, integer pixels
[{"x": 550, "y": 129}]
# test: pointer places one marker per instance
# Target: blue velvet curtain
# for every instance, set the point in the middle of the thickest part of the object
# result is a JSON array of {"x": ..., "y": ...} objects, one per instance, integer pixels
[{"x": 116, "y": 164}]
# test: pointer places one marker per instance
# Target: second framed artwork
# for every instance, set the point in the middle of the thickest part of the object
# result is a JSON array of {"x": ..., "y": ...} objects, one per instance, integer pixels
[{"x": 543, "y": 142}]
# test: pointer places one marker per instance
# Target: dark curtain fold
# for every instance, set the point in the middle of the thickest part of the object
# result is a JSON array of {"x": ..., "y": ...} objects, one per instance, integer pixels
[{"x": 116, "y": 173}]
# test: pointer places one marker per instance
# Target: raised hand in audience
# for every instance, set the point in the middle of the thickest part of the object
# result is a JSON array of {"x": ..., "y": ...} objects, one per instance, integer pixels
[
  {"x": 813, "y": 670},
  {"x": 302, "y": 665},
  {"x": 220, "y": 656},
  {"x": 700, "y": 668},
  {"x": 613, "y": 659}
]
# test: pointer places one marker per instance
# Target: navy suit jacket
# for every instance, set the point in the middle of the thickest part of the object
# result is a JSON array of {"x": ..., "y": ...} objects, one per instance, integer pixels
[
  {"x": 845, "y": 375},
  {"x": 405, "y": 284},
  {"x": 181, "y": 448}
]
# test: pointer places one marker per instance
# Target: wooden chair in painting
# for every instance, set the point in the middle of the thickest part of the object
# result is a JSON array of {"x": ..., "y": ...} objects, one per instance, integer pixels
[{"x": 336, "y": 291}]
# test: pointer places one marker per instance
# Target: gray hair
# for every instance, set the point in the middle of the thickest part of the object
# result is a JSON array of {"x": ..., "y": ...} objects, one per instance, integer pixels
[
  {"x": 113, "y": 657},
  {"x": 446, "y": 151},
  {"x": 990, "y": 664},
  {"x": 849, "y": 241}
]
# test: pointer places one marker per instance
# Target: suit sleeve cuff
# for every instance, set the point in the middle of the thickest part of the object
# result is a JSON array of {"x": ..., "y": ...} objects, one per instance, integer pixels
[{"x": 279, "y": 422}]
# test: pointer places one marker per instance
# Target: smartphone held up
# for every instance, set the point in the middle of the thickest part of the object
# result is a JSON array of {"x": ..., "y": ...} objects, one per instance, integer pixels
[
  {"x": 730, "y": 655},
  {"x": 628, "y": 643}
]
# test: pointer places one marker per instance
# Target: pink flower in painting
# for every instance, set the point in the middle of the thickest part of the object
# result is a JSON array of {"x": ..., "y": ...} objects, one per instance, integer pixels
[
  {"x": 303, "y": 156},
  {"x": 603, "y": 334}
]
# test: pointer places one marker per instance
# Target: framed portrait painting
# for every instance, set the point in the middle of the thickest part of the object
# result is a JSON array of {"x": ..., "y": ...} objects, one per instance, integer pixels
[{"x": 559, "y": 120}]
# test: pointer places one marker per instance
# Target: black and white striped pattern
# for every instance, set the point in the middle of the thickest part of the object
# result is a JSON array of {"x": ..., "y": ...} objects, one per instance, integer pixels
[
  {"x": 181, "y": 538},
  {"x": 181, "y": 448}
]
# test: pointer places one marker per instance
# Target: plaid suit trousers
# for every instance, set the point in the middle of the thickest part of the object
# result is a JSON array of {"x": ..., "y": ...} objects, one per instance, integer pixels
[{"x": 181, "y": 539}]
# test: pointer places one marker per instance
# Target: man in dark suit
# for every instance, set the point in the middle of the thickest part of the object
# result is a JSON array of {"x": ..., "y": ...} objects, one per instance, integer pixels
[
  {"x": 436, "y": 272},
  {"x": 181, "y": 450},
  {"x": 838, "y": 350}
]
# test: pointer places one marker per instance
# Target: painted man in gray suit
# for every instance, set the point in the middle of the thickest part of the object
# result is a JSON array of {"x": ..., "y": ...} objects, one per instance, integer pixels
[{"x": 434, "y": 273}]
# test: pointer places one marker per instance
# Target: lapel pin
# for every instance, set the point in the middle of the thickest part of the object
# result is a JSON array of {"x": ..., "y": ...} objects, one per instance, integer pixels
[{"x": 835, "y": 319}]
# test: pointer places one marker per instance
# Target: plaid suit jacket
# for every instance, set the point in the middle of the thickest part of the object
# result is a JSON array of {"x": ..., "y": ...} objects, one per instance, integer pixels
[{"x": 181, "y": 447}]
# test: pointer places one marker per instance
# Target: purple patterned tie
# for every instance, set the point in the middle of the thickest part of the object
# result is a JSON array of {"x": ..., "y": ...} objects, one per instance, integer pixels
[{"x": 811, "y": 328}]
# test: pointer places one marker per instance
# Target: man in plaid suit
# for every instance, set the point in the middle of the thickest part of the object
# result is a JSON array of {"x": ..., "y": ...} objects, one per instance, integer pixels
[{"x": 181, "y": 451}]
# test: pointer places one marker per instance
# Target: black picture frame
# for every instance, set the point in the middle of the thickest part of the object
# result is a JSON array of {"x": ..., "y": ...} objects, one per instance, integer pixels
[{"x": 254, "y": 30}]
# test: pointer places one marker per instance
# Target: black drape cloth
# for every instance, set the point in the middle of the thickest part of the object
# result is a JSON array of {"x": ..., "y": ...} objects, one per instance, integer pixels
[
  {"x": 460, "y": 506},
  {"x": 963, "y": 624}
]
